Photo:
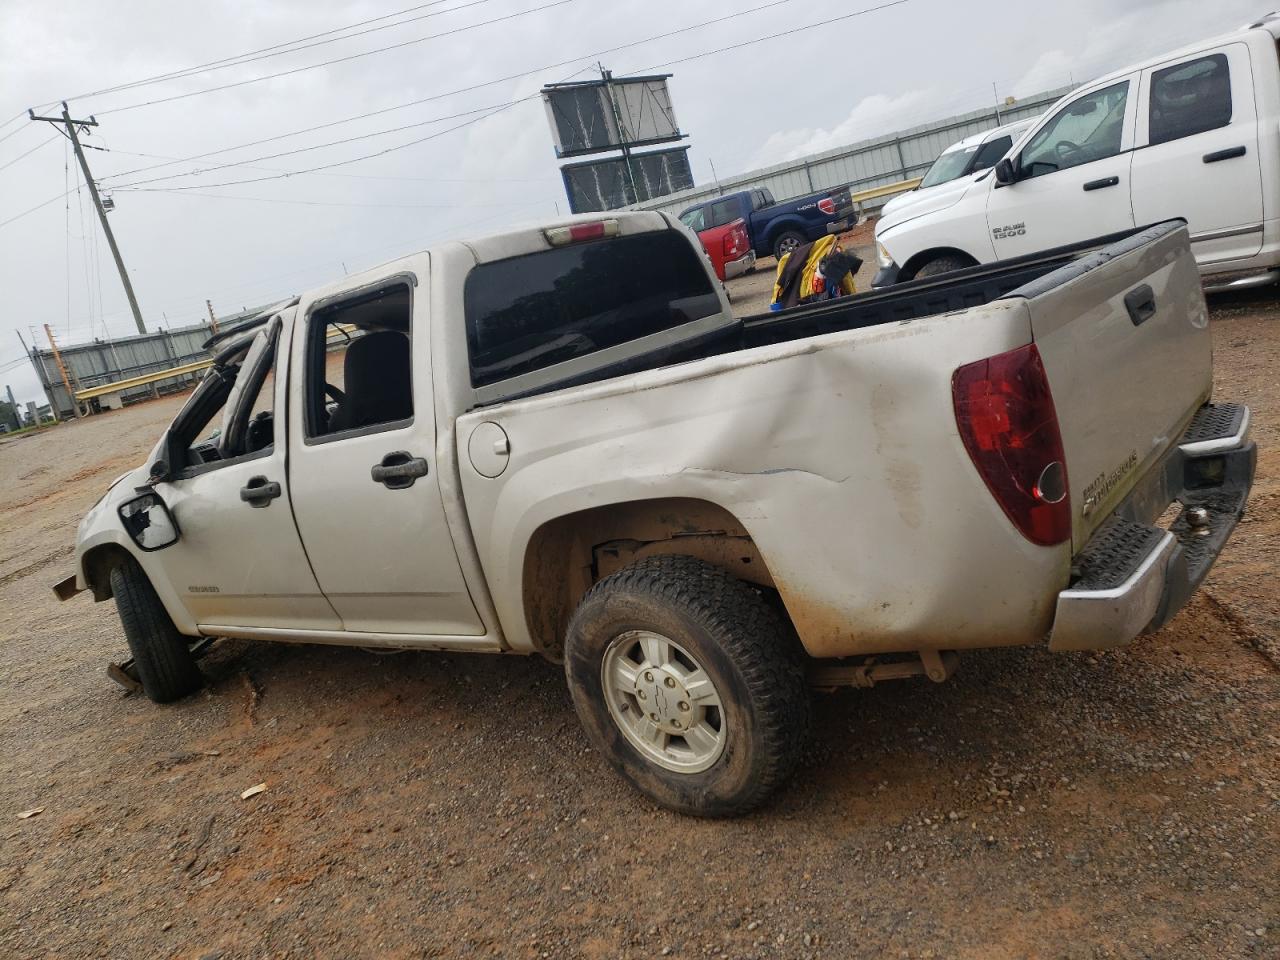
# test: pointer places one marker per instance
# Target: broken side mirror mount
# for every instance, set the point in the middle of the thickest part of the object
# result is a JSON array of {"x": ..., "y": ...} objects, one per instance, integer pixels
[{"x": 148, "y": 522}]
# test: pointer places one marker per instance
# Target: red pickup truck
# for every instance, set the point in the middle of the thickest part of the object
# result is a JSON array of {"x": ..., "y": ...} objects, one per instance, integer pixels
[{"x": 729, "y": 248}]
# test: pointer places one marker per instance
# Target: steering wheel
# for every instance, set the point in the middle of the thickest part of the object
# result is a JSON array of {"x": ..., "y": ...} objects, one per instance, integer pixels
[
  {"x": 1065, "y": 147},
  {"x": 334, "y": 394}
]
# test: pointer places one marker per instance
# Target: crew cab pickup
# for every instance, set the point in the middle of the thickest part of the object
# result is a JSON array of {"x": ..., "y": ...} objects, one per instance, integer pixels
[
  {"x": 774, "y": 228},
  {"x": 1192, "y": 134},
  {"x": 558, "y": 441}
]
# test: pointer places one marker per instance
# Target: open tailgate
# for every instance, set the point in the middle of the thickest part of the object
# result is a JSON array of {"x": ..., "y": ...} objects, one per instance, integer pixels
[{"x": 1124, "y": 336}]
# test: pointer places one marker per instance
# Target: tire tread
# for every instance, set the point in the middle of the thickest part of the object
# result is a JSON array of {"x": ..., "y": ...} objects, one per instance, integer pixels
[
  {"x": 165, "y": 666},
  {"x": 752, "y": 635}
]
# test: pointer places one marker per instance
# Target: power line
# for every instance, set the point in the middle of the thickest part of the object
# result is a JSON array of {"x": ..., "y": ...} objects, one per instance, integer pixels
[
  {"x": 240, "y": 58},
  {"x": 341, "y": 163},
  {"x": 486, "y": 83},
  {"x": 334, "y": 203},
  {"x": 319, "y": 146},
  {"x": 775, "y": 36},
  {"x": 467, "y": 89},
  {"x": 499, "y": 109},
  {"x": 38, "y": 206},
  {"x": 43, "y": 143},
  {"x": 346, "y": 59}
]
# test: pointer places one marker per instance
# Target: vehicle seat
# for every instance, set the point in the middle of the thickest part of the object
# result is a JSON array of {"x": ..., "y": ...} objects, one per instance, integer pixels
[{"x": 376, "y": 382}]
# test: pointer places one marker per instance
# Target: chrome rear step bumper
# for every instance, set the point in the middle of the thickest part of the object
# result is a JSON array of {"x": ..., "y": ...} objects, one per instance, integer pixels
[{"x": 1132, "y": 576}]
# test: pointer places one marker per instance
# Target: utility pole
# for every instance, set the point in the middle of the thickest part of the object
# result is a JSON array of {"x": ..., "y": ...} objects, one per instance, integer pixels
[
  {"x": 607, "y": 77},
  {"x": 996, "y": 90},
  {"x": 213, "y": 321},
  {"x": 62, "y": 368},
  {"x": 71, "y": 125}
]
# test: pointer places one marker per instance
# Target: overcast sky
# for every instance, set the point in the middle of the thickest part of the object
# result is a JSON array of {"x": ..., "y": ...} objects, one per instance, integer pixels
[{"x": 250, "y": 243}]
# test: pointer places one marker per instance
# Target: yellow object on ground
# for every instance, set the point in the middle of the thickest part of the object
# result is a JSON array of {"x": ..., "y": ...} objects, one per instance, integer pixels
[{"x": 816, "y": 251}]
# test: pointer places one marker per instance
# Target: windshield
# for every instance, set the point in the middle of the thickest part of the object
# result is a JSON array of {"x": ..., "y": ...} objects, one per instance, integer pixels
[{"x": 949, "y": 166}]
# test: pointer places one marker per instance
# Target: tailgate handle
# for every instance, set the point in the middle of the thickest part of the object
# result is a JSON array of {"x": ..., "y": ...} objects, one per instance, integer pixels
[
  {"x": 1228, "y": 154},
  {"x": 398, "y": 470},
  {"x": 1141, "y": 304},
  {"x": 1104, "y": 182}
]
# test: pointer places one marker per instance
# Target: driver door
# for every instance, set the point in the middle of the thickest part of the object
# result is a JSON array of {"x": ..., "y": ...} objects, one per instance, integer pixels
[
  {"x": 238, "y": 561},
  {"x": 1072, "y": 175}
]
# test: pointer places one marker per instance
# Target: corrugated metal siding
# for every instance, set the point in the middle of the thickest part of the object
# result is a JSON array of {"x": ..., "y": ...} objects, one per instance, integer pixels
[
  {"x": 106, "y": 362},
  {"x": 860, "y": 166}
]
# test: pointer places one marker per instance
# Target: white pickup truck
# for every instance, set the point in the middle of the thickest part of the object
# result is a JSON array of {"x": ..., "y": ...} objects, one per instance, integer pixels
[
  {"x": 1193, "y": 134},
  {"x": 559, "y": 441}
]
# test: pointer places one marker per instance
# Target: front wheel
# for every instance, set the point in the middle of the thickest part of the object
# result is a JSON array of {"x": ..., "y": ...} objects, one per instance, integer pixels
[
  {"x": 688, "y": 683},
  {"x": 165, "y": 665},
  {"x": 940, "y": 265}
]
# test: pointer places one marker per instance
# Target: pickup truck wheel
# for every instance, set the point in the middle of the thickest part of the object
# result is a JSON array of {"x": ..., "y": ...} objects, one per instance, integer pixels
[
  {"x": 785, "y": 243},
  {"x": 688, "y": 683},
  {"x": 941, "y": 265},
  {"x": 165, "y": 666}
]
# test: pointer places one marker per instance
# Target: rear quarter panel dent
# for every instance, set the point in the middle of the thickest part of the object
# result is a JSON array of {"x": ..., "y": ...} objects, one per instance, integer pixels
[{"x": 839, "y": 456}]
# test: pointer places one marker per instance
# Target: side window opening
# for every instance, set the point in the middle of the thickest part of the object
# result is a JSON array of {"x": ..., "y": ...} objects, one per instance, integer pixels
[
  {"x": 694, "y": 219},
  {"x": 236, "y": 398},
  {"x": 358, "y": 371},
  {"x": 1190, "y": 98},
  {"x": 1087, "y": 129}
]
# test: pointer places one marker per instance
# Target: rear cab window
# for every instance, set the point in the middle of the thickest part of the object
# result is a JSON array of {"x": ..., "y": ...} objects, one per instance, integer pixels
[
  {"x": 722, "y": 212},
  {"x": 576, "y": 308}
]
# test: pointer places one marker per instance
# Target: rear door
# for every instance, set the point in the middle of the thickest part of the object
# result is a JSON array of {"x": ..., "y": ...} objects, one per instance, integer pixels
[
  {"x": 1125, "y": 341},
  {"x": 363, "y": 472},
  {"x": 1197, "y": 152},
  {"x": 1073, "y": 176}
]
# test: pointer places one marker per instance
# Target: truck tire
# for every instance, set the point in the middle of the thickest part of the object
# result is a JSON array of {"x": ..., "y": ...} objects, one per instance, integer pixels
[
  {"x": 785, "y": 242},
  {"x": 165, "y": 666},
  {"x": 670, "y": 646},
  {"x": 944, "y": 264}
]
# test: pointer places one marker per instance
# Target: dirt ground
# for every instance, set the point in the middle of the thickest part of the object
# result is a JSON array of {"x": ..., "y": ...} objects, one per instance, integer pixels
[{"x": 424, "y": 805}]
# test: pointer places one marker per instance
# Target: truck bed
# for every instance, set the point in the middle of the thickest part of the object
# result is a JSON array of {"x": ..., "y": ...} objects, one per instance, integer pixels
[{"x": 900, "y": 303}]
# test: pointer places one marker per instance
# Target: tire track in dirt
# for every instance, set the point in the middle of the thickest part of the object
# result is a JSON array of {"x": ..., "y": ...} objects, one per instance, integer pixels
[{"x": 35, "y": 566}]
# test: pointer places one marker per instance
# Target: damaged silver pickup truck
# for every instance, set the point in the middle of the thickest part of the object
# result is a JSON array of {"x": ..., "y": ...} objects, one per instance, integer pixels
[{"x": 559, "y": 440}]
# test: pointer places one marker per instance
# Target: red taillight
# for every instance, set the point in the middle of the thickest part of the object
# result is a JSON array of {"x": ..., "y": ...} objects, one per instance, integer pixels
[
  {"x": 735, "y": 241},
  {"x": 827, "y": 205},
  {"x": 1008, "y": 423}
]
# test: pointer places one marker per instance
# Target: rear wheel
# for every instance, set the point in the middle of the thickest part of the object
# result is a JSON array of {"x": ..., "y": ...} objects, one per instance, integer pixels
[
  {"x": 165, "y": 666},
  {"x": 688, "y": 683},
  {"x": 786, "y": 242},
  {"x": 941, "y": 265}
]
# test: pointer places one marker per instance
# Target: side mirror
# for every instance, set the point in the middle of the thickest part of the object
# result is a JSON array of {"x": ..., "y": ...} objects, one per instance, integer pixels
[
  {"x": 148, "y": 522},
  {"x": 1005, "y": 174}
]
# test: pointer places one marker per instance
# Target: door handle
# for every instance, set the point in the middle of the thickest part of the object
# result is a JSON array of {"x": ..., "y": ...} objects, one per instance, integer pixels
[
  {"x": 398, "y": 470},
  {"x": 1104, "y": 182},
  {"x": 1141, "y": 304},
  {"x": 1228, "y": 154},
  {"x": 259, "y": 491}
]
